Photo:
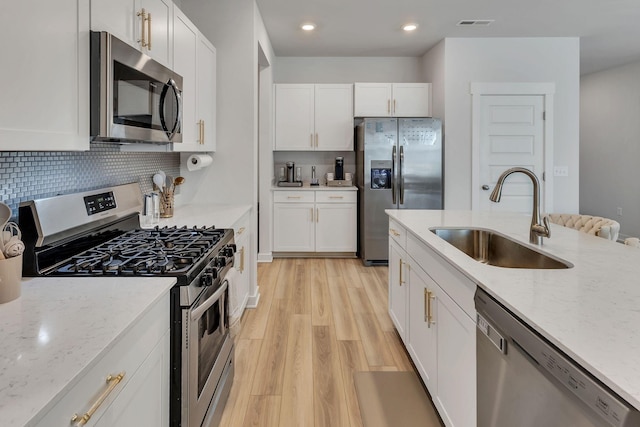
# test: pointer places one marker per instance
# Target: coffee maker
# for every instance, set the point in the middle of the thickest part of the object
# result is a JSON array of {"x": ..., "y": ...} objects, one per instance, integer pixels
[
  {"x": 290, "y": 176},
  {"x": 339, "y": 168}
]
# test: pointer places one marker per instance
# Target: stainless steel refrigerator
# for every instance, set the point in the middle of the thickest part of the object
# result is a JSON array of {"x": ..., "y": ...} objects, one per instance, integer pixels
[{"x": 398, "y": 166}]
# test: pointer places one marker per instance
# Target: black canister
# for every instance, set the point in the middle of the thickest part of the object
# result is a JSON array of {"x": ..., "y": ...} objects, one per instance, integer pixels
[{"x": 339, "y": 171}]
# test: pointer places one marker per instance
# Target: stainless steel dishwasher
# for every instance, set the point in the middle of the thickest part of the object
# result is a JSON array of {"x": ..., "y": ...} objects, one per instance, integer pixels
[{"x": 524, "y": 381}]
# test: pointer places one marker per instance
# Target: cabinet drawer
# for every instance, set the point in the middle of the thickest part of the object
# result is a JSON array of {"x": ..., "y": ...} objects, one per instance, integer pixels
[
  {"x": 398, "y": 233},
  {"x": 126, "y": 354},
  {"x": 336, "y": 196},
  {"x": 293, "y": 196},
  {"x": 458, "y": 286}
]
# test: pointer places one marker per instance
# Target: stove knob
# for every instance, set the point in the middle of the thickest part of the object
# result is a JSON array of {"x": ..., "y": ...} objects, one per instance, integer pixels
[
  {"x": 212, "y": 271},
  {"x": 228, "y": 251},
  {"x": 207, "y": 277},
  {"x": 221, "y": 261},
  {"x": 233, "y": 247}
]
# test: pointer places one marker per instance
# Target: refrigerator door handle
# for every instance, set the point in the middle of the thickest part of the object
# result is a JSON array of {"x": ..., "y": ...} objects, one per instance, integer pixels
[
  {"x": 401, "y": 174},
  {"x": 393, "y": 174}
]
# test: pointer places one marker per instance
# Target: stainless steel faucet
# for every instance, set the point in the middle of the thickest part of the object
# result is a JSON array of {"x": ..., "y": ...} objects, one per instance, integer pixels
[{"x": 537, "y": 231}]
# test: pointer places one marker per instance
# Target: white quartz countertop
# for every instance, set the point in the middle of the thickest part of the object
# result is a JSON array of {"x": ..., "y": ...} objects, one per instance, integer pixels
[
  {"x": 590, "y": 311},
  {"x": 307, "y": 187},
  {"x": 221, "y": 216},
  {"x": 57, "y": 329}
]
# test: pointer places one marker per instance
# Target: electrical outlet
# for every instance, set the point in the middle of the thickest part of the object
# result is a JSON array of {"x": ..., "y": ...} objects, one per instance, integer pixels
[
  {"x": 619, "y": 210},
  {"x": 560, "y": 171}
]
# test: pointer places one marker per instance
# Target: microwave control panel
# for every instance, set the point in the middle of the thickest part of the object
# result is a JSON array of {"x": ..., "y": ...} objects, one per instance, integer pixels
[{"x": 97, "y": 203}]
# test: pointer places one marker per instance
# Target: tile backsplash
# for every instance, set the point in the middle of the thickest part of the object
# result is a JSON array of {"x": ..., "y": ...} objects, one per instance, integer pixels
[{"x": 27, "y": 175}]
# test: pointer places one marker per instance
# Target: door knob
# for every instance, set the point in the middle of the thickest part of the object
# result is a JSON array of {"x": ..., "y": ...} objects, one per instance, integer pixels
[{"x": 485, "y": 187}]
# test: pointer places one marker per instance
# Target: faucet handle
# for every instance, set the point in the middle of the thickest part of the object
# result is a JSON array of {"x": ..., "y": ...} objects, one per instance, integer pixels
[
  {"x": 543, "y": 229},
  {"x": 545, "y": 221}
]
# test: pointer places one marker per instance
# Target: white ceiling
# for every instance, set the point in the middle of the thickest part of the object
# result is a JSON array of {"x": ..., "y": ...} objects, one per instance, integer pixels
[{"x": 609, "y": 30}]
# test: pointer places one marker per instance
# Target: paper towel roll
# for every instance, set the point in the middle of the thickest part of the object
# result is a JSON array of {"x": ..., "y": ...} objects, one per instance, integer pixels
[{"x": 198, "y": 161}]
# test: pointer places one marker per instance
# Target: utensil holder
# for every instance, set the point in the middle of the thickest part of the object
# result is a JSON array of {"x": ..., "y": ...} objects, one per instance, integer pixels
[
  {"x": 10, "y": 278},
  {"x": 166, "y": 203}
]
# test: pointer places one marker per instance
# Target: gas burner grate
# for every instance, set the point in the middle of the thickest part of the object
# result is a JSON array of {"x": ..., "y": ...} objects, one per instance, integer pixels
[{"x": 168, "y": 250}]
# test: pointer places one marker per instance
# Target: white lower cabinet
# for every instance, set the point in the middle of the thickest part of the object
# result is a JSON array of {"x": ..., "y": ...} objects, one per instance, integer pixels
[
  {"x": 141, "y": 397},
  {"x": 242, "y": 262},
  {"x": 322, "y": 221},
  {"x": 439, "y": 332},
  {"x": 398, "y": 288},
  {"x": 423, "y": 332}
]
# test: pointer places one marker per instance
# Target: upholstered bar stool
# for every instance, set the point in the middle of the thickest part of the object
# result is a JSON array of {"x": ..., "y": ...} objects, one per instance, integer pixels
[{"x": 598, "y": 226}]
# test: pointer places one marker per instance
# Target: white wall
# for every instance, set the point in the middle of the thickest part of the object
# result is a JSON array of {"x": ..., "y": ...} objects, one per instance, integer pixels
[
  {"x": 236, "y": 30},
  {"x": 468, "y": 60},
  {"x": 610, "y": 146},
  {"x": 347, "y": 69}
]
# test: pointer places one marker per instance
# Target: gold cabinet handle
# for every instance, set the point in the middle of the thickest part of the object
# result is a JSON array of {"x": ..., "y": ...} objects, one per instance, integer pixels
[
  {"x": 201, "y": 132},
  {"x": 336, "y": 197},
  {"x": 311, "y": 136},
  {"x": 394, "y": 232},
  {"x": 143, "y": 19},
  {"x": 317, "y": 214},
  {"x": 430, "y": 297},
  {"x": 311, "y": 214},
  {"x": 388, "y": 106},
  {"x": 149, "y": 31},
  {"x": 426, "y": 304},
  {"x": 316, "y": 139},
  {"x": 113, "y": 381},
  {"x": 293, "y": 197},
  {"x": 240, "y": 231},
  {"x": 242, "y": 259},
  {"x": 394, "y": 106},
  {"x": 401, "y": 281}
]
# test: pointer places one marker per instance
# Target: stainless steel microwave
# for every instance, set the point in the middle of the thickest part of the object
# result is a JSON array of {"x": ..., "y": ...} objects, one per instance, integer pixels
[{"x": 133, "y": 97}]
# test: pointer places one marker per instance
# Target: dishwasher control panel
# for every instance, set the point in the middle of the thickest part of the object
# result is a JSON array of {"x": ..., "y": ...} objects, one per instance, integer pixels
[{"x": 578, "y": 382}]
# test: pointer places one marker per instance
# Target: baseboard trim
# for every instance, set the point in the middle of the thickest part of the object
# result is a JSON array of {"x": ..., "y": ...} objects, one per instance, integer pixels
[{"x": 265, "y": 257}]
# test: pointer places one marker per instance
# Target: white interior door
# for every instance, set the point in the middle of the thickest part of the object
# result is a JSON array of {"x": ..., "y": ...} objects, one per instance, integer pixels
[{"x": 511, "y": 130}]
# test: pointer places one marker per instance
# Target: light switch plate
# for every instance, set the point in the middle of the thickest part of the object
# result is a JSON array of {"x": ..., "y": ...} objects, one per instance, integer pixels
[{"x": 560, "y": 171}]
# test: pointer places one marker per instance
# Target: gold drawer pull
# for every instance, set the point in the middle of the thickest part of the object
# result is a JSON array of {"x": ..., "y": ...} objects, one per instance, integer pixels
[
  {"x": 113, "y": 382},
  {"x": 401, "y": 280},
  {"x": 242, "y": 259},
  {"x": 394, "y": 232},
  {"x": 336, "y": 197},
  {"x": 240, "y": 231},
  {"x": 293, "y": 197}
]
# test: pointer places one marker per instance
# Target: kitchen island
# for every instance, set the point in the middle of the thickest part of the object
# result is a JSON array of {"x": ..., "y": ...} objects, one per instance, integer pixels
[
  {"x": 590, "y": 311},
  {"x": 61, "y": 330}
]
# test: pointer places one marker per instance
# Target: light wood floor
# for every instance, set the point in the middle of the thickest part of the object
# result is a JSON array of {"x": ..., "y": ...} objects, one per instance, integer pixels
[{"x": 318, "y": 321}]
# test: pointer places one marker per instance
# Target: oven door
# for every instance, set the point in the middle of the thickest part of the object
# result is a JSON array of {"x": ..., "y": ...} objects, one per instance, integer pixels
[{"x": 206, "y": 345}]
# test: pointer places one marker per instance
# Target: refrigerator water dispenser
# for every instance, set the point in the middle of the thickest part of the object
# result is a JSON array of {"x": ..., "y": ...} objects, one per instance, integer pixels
[{"x": 380, "y": 174}]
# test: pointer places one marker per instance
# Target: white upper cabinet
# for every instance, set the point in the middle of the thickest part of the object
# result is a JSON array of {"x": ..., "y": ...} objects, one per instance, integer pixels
[
  {"x": 194, "y": 58},
  {"x": 392, "y": 100},
  {"x": 45, "y": 70},
  {"x": 146, "y": 25},
  {"x": 314, "y": 117}
]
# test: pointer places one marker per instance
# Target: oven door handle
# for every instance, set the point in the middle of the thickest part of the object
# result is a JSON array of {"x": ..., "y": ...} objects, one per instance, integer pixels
[{"x": 198, "y": 312}]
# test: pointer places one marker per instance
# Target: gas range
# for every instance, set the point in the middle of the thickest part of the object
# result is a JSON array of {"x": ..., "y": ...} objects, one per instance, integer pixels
[{"x": 97, "y": 233}]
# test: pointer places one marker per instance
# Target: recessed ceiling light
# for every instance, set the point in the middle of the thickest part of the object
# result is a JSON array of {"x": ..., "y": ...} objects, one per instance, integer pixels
[
  {"x": 308, "y": 26},
  {"x": 410, "y": 27}
]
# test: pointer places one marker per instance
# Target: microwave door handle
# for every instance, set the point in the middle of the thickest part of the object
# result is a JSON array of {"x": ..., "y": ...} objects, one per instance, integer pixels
[
  {"x": 198, "y": 312},
  {"x": 170, "y": 84}
]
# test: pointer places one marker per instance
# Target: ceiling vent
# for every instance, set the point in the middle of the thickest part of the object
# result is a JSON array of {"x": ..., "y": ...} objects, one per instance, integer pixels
[{"x": 475, "y": 22}]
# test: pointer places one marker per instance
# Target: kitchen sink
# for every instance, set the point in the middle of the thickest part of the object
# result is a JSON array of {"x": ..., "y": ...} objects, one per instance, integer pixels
[{"x": 492, "y": 248}]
